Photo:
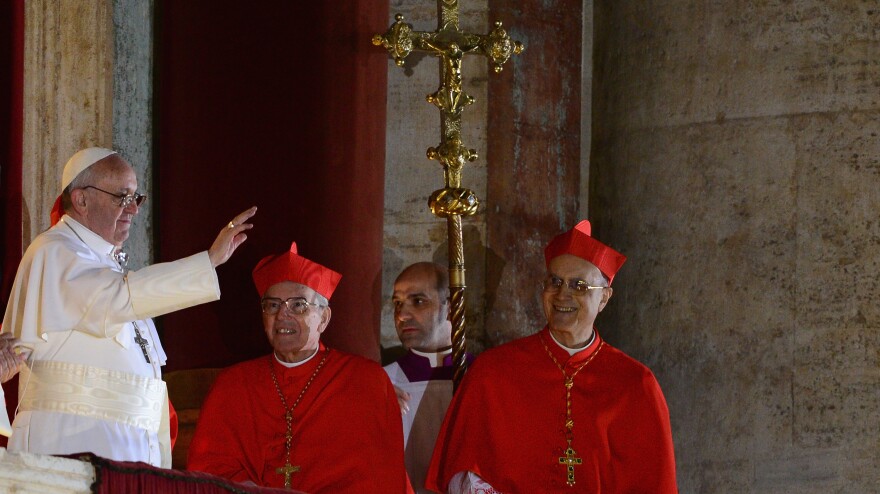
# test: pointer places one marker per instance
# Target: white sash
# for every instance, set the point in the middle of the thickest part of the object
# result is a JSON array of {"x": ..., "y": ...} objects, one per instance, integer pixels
[{"x": 98, "y": 393}]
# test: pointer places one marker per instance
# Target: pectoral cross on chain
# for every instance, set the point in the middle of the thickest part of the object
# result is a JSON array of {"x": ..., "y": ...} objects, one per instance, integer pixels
[
  {"x": 287, "y": 470},
  {"x": 570, "y": 461},
  {"x": 141, "y": 341}
]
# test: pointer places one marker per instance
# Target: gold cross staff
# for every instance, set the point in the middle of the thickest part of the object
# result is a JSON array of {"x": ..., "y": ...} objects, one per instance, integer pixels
[
  {"x": 450, "y": 44},
  {"x": 287, "y": 470},
  {"x": 570, "y": 461}
]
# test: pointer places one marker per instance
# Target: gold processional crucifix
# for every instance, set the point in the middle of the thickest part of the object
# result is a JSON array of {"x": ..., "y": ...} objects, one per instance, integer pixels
[{"x": 450, "y": 44}]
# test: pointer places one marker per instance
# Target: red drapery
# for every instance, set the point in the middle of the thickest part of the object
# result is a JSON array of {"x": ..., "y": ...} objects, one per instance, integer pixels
[
  {"x": 11, "y": 86},
  {"x": 281, "y": 105},
  {"x": 11, "y": 81}
]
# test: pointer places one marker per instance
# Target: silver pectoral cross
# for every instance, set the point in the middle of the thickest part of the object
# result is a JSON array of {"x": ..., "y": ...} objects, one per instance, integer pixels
[
  {"x": 141, "y": 341},
  {"x": 121, "y": 257}
]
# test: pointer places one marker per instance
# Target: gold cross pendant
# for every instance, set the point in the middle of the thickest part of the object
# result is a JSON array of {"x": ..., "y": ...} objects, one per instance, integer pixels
[
  {"x": 287, "y": 470},
  {"x": 570, "y": 461}
]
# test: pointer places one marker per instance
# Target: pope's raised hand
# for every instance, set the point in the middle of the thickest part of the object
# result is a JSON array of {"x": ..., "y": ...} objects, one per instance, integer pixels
[{"x": 230, "y": 237}]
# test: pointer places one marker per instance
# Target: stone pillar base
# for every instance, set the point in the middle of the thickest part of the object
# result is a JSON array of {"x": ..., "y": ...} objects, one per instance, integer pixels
[{"x": 28, "y": 473}]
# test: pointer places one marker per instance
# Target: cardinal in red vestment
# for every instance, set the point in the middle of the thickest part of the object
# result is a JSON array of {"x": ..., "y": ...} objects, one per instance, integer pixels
[
  {"x": 560, "y": 410},
  {"x": 306, "y": 417}
]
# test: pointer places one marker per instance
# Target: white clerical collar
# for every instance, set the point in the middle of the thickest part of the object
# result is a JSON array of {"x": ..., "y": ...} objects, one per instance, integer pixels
[
  {"x": 290, "y": 365},
  {"x": 572, "y": 351},
  {"x": 101, "y": 247},
  {"x": 434, "y": 358},
  {"x": 90, "y": 238}
]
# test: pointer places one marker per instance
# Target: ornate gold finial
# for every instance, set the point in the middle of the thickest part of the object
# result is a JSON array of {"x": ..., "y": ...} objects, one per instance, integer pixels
[
  {"x": 499, "y": 47},
  {"x": 398, "y": 40}
]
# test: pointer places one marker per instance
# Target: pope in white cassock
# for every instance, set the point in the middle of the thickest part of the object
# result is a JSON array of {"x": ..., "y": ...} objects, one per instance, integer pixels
[{"x": 92, "y": 375}]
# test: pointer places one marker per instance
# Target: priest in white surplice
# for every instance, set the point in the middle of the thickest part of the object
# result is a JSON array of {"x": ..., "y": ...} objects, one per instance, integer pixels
[
  {"x": 92, "y": 378},
  {"x": 422, "y": 377}
]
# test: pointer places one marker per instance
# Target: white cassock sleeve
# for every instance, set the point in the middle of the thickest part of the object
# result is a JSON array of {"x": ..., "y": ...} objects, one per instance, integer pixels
[
  {"x": 63, "y": 286},
  {"x": 170, "y": 286}
]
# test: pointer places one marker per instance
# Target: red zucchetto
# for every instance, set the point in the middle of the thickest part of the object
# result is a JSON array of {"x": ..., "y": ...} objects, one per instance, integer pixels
[
  {"x": 578, "y": 242},
  {"x": 291, "y": 266}
]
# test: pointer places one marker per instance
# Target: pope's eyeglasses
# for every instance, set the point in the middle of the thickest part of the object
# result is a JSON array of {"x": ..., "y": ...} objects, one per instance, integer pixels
[
  {"x": 553, "y": 284},
  {"x": 125, "y": 200},
  {"x": 297, "y": 305}
]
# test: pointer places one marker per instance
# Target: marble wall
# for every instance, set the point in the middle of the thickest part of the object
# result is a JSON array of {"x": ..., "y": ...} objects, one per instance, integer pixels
[{"x": 735, "y": 162}]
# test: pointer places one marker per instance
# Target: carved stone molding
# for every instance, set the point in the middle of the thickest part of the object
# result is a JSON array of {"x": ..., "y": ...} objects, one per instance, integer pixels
[{"x": 28, "y": 473}]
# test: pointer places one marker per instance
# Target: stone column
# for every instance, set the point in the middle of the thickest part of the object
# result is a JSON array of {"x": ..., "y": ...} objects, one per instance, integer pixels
[
  {"x": 133, "y": 111},
  {"x": 531, "y": 128},
  {"x": 68, "y": 100},
  {"x": 86, "y": 83}
]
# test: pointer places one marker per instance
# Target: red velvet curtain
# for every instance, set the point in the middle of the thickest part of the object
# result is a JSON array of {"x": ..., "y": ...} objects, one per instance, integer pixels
[
  {"x": 11, "y": 81},
  {"x": 11, "y": 84},
  {"x": 277, "y": 104}
]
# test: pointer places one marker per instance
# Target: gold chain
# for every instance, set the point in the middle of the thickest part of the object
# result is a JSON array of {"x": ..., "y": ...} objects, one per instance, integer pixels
[
  {"x": 288, "y": 469},
  {"x": 569, "y": 459}
]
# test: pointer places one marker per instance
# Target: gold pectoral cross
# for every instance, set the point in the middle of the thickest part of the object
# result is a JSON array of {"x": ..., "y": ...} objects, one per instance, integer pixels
[
  {"x": 570, "y": 461},
  {"x": 287, "y": 470}
]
